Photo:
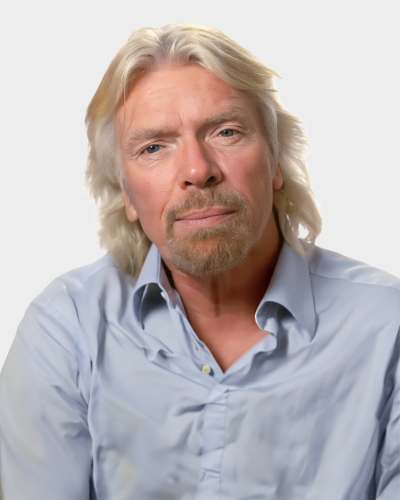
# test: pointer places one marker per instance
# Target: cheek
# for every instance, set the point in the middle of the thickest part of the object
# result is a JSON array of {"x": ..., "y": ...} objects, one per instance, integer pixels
[
  {"x": 149, "y": 197},
  {"x": 250, "y": 173}
]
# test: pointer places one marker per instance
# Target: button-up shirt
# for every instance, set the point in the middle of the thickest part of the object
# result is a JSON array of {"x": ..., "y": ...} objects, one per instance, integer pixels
[{"x": 108, "y": 393}]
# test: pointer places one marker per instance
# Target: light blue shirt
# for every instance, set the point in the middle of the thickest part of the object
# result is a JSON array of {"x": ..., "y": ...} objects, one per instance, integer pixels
[{"x": 107, "y": 392}]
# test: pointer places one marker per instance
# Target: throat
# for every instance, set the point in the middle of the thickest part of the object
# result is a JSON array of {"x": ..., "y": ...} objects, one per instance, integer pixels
[{"x": 229, "y": 345}]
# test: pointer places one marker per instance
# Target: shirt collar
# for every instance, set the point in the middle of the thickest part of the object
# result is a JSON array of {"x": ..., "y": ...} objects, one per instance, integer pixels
[
  {"x": 290, "y": 286},
  {"x": 152, "y": 279}
]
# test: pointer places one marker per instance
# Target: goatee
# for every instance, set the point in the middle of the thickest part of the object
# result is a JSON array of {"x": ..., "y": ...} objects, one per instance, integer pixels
[{"x": 213, "y": 250}]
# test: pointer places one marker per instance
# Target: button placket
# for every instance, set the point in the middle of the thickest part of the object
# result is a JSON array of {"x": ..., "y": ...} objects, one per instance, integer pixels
[{"x": 213, "y": 438}]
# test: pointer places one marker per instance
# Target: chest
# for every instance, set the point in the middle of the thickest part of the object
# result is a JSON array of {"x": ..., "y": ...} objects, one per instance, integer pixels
[
  {"x": 230, "y": 344},
  {"x": 151, "y": 411}
]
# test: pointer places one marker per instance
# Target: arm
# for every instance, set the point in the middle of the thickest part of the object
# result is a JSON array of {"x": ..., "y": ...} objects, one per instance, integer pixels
[
  {"x": 388, "y": 464},
  {"x": 44, "y": 437}
]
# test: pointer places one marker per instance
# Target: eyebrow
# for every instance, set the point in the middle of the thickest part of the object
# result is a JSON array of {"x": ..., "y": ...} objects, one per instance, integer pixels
[{"x": 143, "y": 134}]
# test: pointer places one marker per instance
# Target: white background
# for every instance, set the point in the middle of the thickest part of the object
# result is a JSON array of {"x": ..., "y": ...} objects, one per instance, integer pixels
[{"x": 339, "y": 67}]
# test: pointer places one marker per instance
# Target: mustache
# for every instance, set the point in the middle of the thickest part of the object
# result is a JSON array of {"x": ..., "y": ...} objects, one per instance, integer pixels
[{"x": 200, "y": 200}]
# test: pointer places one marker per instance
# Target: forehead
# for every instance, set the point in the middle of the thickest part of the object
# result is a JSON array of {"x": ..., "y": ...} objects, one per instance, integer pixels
[{"x": 173, "y": 91}]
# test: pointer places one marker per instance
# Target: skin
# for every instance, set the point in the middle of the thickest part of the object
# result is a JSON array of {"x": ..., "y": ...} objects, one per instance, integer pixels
[{"x": 195, "y": 165}]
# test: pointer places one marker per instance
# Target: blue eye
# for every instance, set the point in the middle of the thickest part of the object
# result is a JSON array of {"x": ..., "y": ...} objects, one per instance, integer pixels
[
  {"x": 229, "y": 130},
  {"x": 153, "y": 148}
]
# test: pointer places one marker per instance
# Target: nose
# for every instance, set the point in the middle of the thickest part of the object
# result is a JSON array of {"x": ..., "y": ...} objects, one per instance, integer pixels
[{"x": 197, "y": 166}]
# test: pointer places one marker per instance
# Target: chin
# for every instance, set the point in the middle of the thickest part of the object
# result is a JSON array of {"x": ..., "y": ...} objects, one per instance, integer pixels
[{"x": 197, "y": 259}]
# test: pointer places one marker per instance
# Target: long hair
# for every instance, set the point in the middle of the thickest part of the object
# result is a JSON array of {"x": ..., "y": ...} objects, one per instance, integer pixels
[{"x": 294, "y": 206}]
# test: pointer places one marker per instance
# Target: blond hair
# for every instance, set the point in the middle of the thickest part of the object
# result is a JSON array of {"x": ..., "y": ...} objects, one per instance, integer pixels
[{"x": 294, "y": 205}]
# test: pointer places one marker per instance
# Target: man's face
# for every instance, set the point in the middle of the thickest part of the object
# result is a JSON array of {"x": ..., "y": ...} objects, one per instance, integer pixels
[{"x": 197, "y": 169}]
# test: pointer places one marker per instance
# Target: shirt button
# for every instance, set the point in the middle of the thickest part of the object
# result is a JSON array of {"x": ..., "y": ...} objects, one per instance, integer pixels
[{"x": 206, "y": 369}]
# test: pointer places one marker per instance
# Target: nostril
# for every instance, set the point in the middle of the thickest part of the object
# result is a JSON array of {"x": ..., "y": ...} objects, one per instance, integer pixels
[{"x": 211, "y": 180}]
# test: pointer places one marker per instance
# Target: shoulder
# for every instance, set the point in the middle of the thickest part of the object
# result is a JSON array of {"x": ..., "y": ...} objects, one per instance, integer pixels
[
  {"x": 90, "y": 282},
  {"x": 333, "y": 265},
  {"x": 71, "y": 306},
  {"x": 354, "y": 281}
]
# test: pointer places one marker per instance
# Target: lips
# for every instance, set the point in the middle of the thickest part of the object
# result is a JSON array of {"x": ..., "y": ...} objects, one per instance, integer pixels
[
  {"x": 205, "y": 214},
  {"x": 202, "y": 219}
]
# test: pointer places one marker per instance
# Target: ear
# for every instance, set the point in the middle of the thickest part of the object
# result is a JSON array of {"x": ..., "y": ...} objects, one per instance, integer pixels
[
  {"x": 277, "y": 181},
  {"x": 130, "y": 210}
]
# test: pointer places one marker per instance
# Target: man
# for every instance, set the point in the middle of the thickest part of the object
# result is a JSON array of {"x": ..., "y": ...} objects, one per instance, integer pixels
[{"x": 212, "y": 353}]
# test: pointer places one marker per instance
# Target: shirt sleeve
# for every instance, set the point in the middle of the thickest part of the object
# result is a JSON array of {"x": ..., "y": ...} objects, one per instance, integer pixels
[
  {"x": 44, "y": 436},
  {"x": 388, "y": 463}
]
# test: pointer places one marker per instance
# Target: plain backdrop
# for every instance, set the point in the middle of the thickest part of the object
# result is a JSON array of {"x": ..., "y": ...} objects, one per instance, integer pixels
[{"x": 339, "y": 68}]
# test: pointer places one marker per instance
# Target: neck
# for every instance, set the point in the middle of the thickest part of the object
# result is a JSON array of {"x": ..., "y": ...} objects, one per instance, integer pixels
[{"x": 234, "y": 293}]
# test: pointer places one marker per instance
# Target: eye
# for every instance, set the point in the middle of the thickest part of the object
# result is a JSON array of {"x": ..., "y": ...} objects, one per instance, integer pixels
[
  {"x": 152, "y": 148},
  {"x": 228, "y": 132}
]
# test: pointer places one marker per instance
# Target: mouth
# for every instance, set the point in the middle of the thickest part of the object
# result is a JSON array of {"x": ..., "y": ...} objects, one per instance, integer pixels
[{"x": 204, "y": 218}]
